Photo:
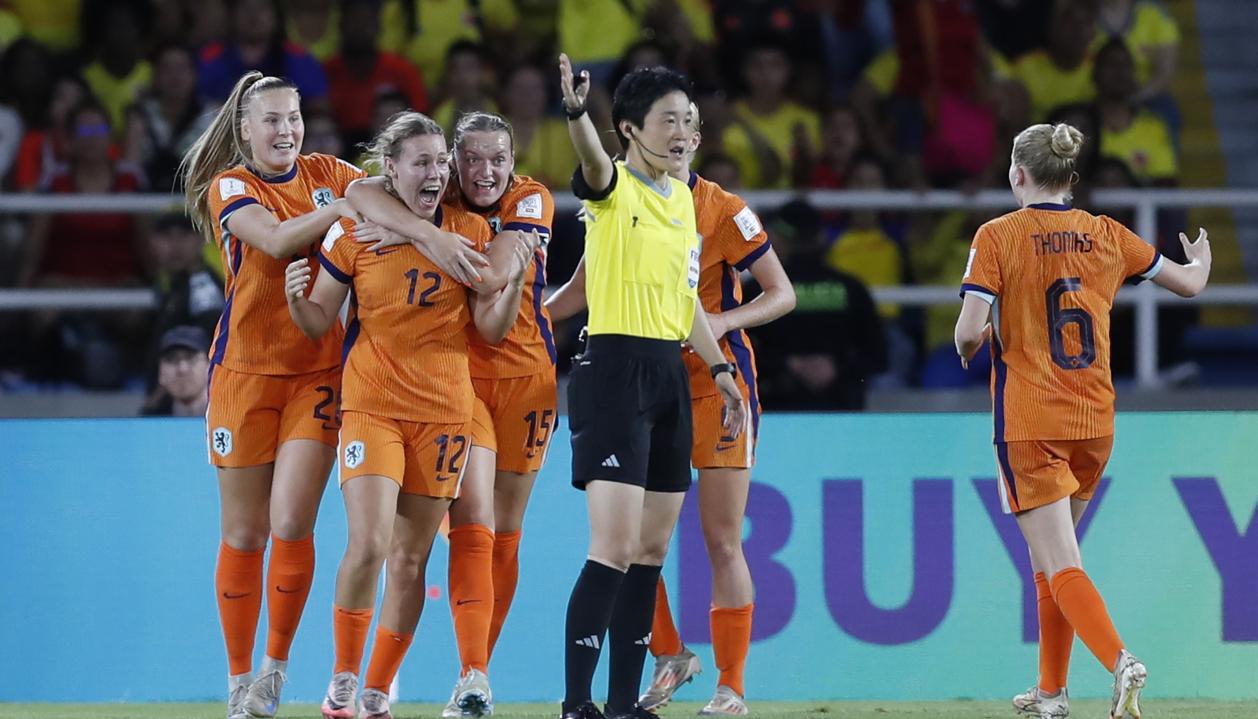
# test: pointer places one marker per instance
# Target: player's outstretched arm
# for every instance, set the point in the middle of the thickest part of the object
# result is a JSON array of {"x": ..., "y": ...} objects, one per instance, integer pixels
[
  {"x": 569, "y": 299},
  {"x": 973, "y": 327},
  {"x": 452, "y": 252},
  {"x": 596, "y": 166},
  {"x": 1190, "y": 279},
  {"x": 313, "y": 315}
]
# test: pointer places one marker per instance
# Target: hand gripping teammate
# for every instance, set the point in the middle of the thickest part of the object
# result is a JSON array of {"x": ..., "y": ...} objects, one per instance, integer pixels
[
  {"x": 407, "y": 403},
  {"x": 272, "y": 421},
  {"x": 733, "y": 241},
  {"x": 515, "y": 383},
  {"x": 1039, "y": 285},
  {"x": 628, "y": 394}
]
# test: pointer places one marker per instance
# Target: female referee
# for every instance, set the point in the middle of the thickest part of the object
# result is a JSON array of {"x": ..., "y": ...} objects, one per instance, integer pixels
[
  {"x": 733, "y": 241},
  {"x": 514, "y": 380},
  {"x": 1040, "y": 283},
  {"x": 628, "y": 396},
  {"x": 408, "y": 402}
]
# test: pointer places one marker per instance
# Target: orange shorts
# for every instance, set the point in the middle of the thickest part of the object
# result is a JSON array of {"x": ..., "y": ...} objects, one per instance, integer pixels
[
  {"x": 524, "y": 414},
  {"x": 251, "y": 415},
  {"x": 710, "y": 447},
  {"x": 423, "y": 458},
  {"x": 1039, "y": 472},
  {"x": 483, "y": 434}
]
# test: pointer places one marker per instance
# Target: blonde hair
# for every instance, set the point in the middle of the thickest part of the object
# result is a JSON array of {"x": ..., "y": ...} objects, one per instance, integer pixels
[
  {"x": 696, "y": 121},
  {"x": 221, "y": 147},
  {"x": 1048, "y": 152},
  {"x": 400, "y": 128}
]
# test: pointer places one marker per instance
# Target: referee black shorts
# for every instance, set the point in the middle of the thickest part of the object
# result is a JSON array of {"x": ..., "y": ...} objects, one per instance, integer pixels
[{"x": 629, "y": 412}]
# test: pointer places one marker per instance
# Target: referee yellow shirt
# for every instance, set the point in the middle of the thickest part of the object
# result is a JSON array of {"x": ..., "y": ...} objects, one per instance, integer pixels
[{"x": 641, "y": 256}]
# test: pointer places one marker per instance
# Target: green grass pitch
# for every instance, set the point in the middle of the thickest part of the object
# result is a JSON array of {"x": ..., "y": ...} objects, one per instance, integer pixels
[{"x": 1153, "y": 709}]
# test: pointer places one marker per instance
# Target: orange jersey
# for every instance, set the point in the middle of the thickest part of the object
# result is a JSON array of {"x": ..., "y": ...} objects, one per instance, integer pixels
[
  {"x": 406, "y": 353},
  {"x": 255, "y": 334},
  {"x": 732, "y": 239},
  {"x": 529, "y": 347},
  {"x": 1051, "y": 274}
]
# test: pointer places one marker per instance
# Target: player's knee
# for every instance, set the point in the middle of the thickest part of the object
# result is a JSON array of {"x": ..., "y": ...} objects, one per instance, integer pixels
[
  {"x": 292, "y": 529},
  {"x": 652, "y": 553},
  {"x": 724, "y": 551},
  {"x": 247, "y": 537},
  {"x": 367, "y": 549},
  {"x": 405, "y": 566}
]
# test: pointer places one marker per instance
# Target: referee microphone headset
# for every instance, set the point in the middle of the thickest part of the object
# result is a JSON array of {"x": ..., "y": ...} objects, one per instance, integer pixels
[{"x": 633, "y": 136}]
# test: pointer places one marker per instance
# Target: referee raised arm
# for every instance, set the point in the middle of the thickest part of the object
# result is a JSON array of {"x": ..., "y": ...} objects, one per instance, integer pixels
[{"x": 628, "y": 395}]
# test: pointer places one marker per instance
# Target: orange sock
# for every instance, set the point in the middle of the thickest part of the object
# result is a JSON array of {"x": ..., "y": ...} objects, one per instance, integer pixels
[
  {"x": 1056, "y": 638},
  {"x": 238, "y": 586},
  {"x": 506, "y": 573},
  {"x": 665, "y": 641},
  {"x": 1083, "y": 607},
  {"x": 288, "y": 582},
  {"x": 731, "y": 638},
  {"x": 349, "y": 635},
  {"x": 472, "y": 592},
  {"x": 387, "y": 654}
]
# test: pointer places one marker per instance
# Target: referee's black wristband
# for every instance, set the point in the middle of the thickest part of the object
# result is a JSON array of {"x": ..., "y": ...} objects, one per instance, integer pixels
[
  {"x": 725, "y": 367},
  {"x": 574, "y": 114}
]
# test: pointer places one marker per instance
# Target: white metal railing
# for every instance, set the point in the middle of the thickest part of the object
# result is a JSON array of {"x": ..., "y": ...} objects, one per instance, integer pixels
[{"x": 1146, "y": 204}]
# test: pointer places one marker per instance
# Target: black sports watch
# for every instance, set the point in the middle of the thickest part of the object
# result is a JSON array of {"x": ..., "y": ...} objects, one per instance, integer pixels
[{"x": 724, "y": 367}]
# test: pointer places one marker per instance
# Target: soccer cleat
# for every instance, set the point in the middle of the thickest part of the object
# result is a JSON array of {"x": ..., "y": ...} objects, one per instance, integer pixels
[
  {"x": 339, "y": 701},
  {"x": 725, "y": 703},
  {"x": 471, "y": 697},
  {"x": 1129, "y": 677},
  {"x": 236, "y": 702},
  {"x": 637, "y": 712},
  {"x": 374, "y": 704},
  {"x": 671, "y": 671},
  {"x": 585, "y": 711},
  {"x": 263, "y": 698},
  {"x": 1035, "y": 703}
]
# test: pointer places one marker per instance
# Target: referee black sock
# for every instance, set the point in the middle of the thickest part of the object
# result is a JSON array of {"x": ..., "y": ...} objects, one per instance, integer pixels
[
  {"x": 589, "y": 613},
  {"x": 630, "y": 637}
]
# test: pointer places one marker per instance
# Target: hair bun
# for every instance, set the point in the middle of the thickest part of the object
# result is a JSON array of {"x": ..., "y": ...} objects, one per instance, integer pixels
[{"x": 1066, "y": 141}]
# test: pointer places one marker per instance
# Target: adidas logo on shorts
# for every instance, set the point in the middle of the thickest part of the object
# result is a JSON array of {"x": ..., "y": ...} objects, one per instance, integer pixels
[{"x": 611, "y": 461}]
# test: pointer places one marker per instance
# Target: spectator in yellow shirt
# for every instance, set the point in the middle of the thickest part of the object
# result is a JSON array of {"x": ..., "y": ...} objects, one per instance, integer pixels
[
  {"x": 1062, "y": 73},
  {"x": 596, "y": 33},
  {"x": 469, "y": 84},
  {"x": 315, "y": 25},
  {"x": 770, "y": 130},
  {"x": 118, "y": 74},
  {"x": 864, "y": 244},
  {"x": 426, "y": 30},
  {"x": 543, "y": 149},
  {"x": 1151, "y": 36},
  {"x": 1129, "y": 132}
]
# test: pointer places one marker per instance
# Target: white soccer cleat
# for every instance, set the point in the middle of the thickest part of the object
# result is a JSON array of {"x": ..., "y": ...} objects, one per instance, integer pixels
[
  {"x": 472, "y": 696},
  {"x": 338, "y": 703},
  {"x": 374, "y": 704},
  {"x": 236, "y": 701},
  {"x": 725, "y": 703},
  {"x": 263, "y": 699},
  {"x": 1035, "y": 703},
  {"x": 671, "y": 671},
  {"x": 1129, "y": 677}
]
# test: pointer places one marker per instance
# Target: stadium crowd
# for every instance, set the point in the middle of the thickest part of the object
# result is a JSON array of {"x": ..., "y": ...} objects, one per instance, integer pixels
[{"x": 107, "y": 95}]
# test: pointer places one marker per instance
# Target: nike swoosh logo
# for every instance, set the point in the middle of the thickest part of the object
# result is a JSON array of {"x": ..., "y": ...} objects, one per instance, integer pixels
[
  {"x": 724, "y": 447},
  {"x": 461, "y": 602},
  {"x": 227, "y": 595},
  {"x": 382, "y": 253},
  {"x": 282, "y": 590},
  {"x": 446, "y": 478}
]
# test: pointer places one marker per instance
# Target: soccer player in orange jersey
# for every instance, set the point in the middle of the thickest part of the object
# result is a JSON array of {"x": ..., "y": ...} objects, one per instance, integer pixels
[
  {"x": 733, "y": 241},
  {"x": 272, "y": 422},
  {"x": 407, "y": 403},
  {"x": 1039, "y": 284},
  {"x": 515, "y": 383}
]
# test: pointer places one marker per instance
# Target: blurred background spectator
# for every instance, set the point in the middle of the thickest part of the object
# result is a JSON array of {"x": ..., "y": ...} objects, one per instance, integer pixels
[
  {"x": 182, "y": 371},
  {"x": 255, "y": 41},
  {"x": 169, "y": 117}
]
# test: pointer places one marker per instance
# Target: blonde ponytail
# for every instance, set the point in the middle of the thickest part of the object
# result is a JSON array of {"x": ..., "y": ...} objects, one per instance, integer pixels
[{"x": 221, "y": 147}]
